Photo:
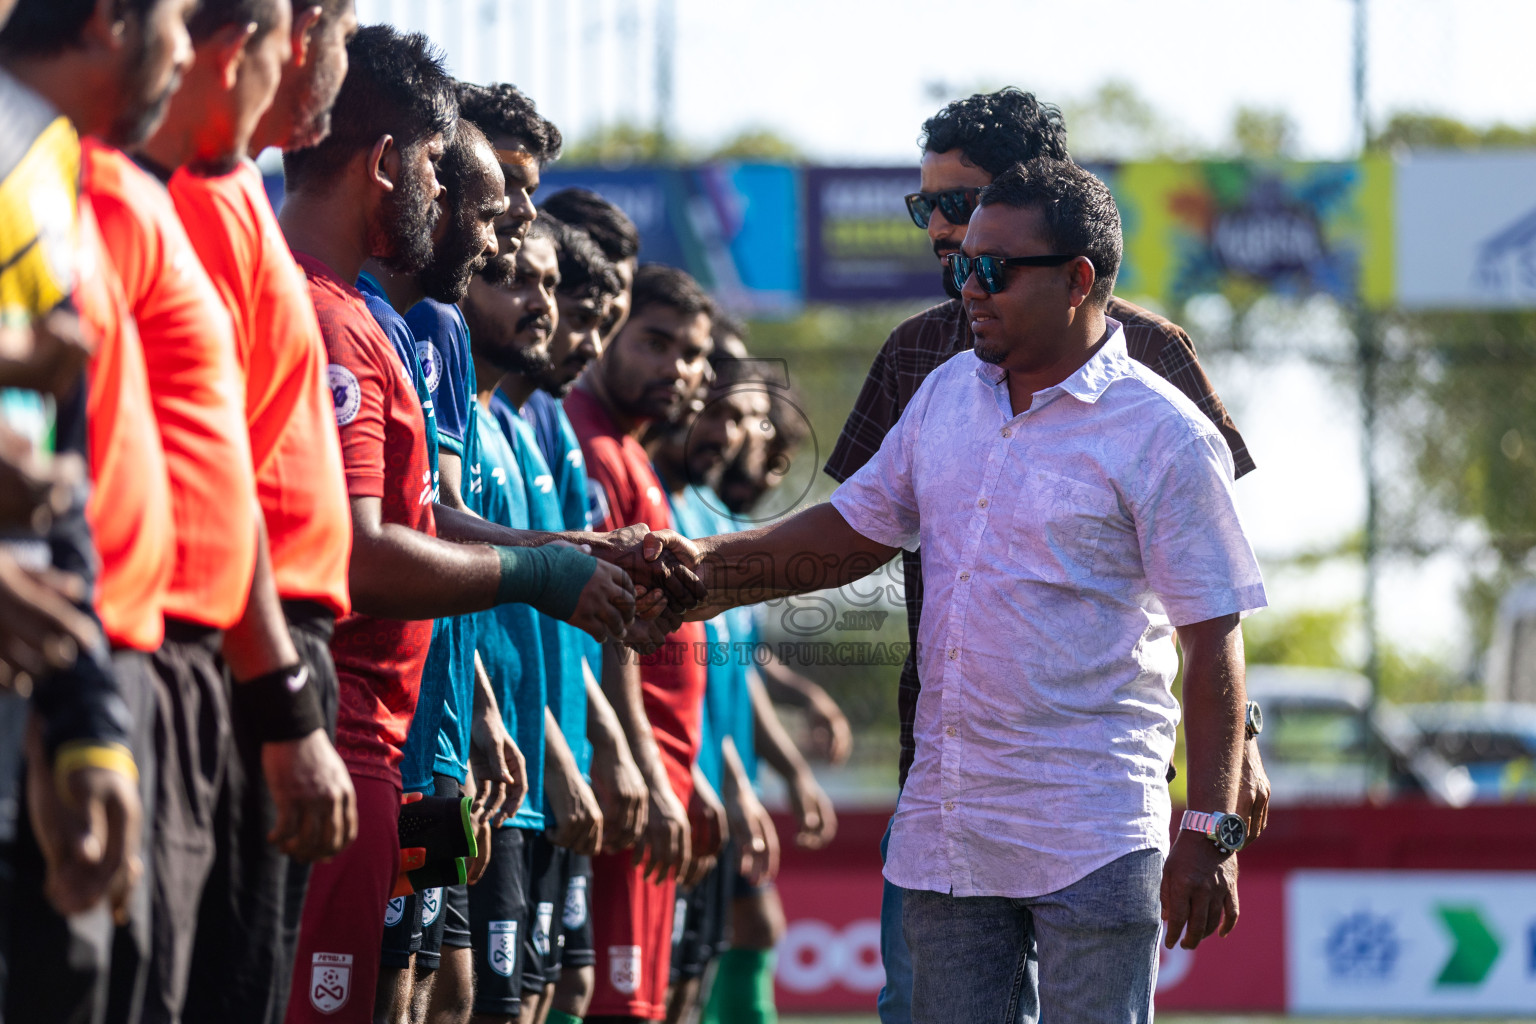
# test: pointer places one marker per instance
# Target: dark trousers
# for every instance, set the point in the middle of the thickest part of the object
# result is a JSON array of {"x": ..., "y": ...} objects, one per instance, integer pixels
[
  {"x": 67, "y": 969},
  {"x": 248, "y": 920}
]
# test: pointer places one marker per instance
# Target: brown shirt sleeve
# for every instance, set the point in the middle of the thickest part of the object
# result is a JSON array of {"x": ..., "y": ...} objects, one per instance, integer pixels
[{"x": 1164, "y": 347}]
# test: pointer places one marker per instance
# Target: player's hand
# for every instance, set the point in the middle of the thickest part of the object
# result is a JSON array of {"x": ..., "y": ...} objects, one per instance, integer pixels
[
  {"x": 1199, "y": 890},
  {"x": 89, "y": 835},
  {"x": 606, "y": 605},
  {"x": 708, "y": 828},
  {"x": 757, "y": 841},
  {"x": 48, "y": 356},
  {"x": 662, "y": 560},
  {"x": 666, "y": 843},
  {"x": 35, "y": 490},
  {"x": 312, "y": 792},
  {"x": 41, "y": 630},
  {"x": 621, "y": 796},
  {"x": 578, "y": 818},
  {"x": 498, "y": 766},
  {"x": 1253, "y": 791},
  {"x": 813, "y": 812},
  {"x": 481, "y": 810},
  {"x": 830, "y": 737}
]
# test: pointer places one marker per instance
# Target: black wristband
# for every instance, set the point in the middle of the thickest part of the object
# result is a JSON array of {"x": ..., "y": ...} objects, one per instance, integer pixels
[{"x": 277, "y": 707}]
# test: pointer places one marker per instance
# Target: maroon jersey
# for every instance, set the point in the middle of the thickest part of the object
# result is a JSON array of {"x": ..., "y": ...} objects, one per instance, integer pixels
[{"x": 384, "y": 451}]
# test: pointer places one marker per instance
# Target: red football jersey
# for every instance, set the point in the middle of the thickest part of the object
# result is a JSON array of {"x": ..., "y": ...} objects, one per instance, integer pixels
[
  {"x": 384, "y": 450},
  {"x": 673, "y": 678}
]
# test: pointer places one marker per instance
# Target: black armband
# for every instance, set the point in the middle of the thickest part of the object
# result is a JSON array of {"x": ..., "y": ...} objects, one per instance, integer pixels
[{"x": 277, "y": 707}]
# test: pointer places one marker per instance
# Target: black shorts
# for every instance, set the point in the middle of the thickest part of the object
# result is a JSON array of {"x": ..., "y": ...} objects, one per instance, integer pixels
[
  {"x": 698, "y": 931},
  {"x": 548, "y": 866},
  {"x": 498, "y": 917},
  {"x": 576, "y": 947},
  {"x": 422, "y": 923},
  {"x": 254, "y": 898}
]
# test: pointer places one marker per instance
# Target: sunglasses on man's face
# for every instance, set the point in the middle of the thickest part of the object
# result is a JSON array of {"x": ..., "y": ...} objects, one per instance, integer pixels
[
  {"x": 956, "y": 204},
  {"x": 989, "y": 269}
]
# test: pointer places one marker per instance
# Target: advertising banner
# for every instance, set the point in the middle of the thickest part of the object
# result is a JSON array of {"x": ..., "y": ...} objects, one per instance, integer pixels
[
  {"x": 1244, "y": 229},
  {"x": 1466, "y": 230},
  {"x": 732, "y": 226},
  {"x": 860, "y": 242},
  {"x": 1420, "y": 943}
]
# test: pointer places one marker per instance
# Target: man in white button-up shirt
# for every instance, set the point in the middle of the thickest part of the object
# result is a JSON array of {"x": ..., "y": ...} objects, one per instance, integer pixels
[{"x": 1074, "y": 510}]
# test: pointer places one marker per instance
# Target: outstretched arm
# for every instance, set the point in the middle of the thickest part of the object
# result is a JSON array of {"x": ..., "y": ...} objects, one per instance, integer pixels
[{"x": 811, "y": 550}]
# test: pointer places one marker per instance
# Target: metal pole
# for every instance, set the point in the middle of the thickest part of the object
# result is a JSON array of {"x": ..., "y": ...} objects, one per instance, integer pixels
[{"x": 666, "y": 29}]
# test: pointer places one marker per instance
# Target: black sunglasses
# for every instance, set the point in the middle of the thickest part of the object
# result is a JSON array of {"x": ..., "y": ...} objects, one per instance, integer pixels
[
  {"x": 989, "y": 269},
  {"x": 956, "y": 204}
]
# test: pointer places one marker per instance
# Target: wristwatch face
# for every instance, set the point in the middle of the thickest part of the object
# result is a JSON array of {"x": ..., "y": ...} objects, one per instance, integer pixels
[{"x": 1231, "y": 832}]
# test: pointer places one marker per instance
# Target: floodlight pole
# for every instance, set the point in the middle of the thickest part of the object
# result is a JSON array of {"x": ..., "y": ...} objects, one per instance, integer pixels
[{"x": 1368, "y": 358}]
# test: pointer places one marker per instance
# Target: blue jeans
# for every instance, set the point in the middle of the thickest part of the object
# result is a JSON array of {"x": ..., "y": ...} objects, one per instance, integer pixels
[
  {"x": 895, "y": 1003},
  {"x": 974, "y": 958}
]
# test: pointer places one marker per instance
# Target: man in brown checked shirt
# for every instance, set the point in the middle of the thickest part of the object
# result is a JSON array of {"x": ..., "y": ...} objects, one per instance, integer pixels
[{"x": 965, "y": 146}]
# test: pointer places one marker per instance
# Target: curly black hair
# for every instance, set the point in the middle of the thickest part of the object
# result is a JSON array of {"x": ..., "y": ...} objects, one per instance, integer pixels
[
  {"x": 995, "y": 130},
  {"x": 503, "y": 109},
  {"x": 608, "y": 225},
  {"x": 657, "y": 284},
  {"x": 1080, "y": 215},
  {"x": 584, "y": 271},
  {"x": 41, "y": 28},
  {"x": 396, "y": 85}
]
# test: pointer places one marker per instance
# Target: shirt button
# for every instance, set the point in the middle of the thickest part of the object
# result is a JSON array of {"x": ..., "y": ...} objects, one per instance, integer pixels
[
  {"x": 982, "y": 503},
  {"x": 949, "y": 805},
  {"x": 954, "y": 652},
  {"x": 964, "y": 576},
  {"x": 1007, "y": 432},
  {"x": 950, "y": 731}
]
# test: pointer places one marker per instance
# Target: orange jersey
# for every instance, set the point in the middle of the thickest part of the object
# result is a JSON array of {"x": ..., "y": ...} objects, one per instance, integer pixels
[
  {"x": 288, "y": 409},
  {"x": 195, "y": 384},
  {"x": 130, "y": 504}
]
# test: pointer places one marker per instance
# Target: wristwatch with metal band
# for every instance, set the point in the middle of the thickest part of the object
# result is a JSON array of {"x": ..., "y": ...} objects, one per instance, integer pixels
[
  {"x": 1227, "y": 831},
  {"x": 1253, "y": 720}
]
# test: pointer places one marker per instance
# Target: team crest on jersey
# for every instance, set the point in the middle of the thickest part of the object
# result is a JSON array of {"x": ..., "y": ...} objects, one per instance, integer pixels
[
  {"x": 345, "y": 393},
  {"x": 394, "y": 910},
  {"x": 624, "y": 969},
  {"x": 575, "y": 913},
  {"x": 502, "y": 954},
  {"x": 542, "y": 919},
  {"x": 330, "y": 981},
  {"x": 431, "y": 905},
  {"x": 431, "y": 364}
]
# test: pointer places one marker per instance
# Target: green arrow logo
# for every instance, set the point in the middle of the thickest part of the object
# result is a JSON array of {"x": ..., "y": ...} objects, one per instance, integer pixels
[{"x": 1476, "y": 947}]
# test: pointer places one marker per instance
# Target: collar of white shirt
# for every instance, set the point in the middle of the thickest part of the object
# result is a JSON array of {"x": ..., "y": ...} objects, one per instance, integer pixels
[{"x": 1109, "y": 362}]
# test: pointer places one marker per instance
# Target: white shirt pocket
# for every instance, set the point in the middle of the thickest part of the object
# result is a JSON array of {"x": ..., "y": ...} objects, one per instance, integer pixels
[{"x": 1057, "y": 524}]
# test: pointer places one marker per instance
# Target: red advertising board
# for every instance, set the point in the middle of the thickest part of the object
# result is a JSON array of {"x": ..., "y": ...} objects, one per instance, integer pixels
[{"x": 830, "y": 958}]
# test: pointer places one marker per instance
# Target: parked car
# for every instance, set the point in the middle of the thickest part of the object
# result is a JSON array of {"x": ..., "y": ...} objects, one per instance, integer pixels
[
  {"x": 1323, "y": 743},
  {"x": 1494, "y": 742}
]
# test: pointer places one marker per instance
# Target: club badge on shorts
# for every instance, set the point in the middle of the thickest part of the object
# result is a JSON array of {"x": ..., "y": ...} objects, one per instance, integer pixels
[
  {"x": 624, "y": 969},
  {"x": 431, "y": 905},
  {"x": 394, "y": 910},
  {"x": 330, "y": 981},
  {"x": 542, "y": 919},
  {"x": 575, "y": 913},
  {"x": 502, "y": 954}
]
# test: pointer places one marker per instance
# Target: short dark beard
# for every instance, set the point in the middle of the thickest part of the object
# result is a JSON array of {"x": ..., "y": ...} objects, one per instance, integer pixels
[
  {"x": 407, "y": 216},
  {"x": 133, "y": 127},
  {"x": 458, "y": 259}
]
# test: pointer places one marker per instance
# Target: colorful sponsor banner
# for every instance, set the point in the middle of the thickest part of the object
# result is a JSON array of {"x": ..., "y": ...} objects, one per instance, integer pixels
[
  {"x": 732, "y": 226},
  {"x": 829, "y": 958},
  {"x": 1244, "y": 229},
  {"x": 860, "y": 243},
  {"x": 1421, "y": 943},
  {"x": 1466, "y": 230}
]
